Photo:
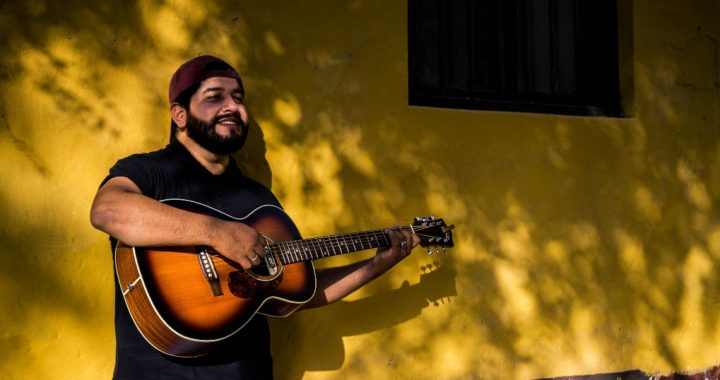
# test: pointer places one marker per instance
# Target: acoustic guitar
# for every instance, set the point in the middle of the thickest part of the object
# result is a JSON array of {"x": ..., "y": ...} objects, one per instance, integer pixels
[{"x": 186, "y": 300}]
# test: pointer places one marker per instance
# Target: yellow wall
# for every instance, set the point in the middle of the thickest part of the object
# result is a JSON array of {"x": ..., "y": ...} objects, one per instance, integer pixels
[{"x": 584, "y": 245}]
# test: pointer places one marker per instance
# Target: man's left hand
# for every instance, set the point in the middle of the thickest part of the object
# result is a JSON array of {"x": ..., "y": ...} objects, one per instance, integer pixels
[{"x": 402, "y": 243}]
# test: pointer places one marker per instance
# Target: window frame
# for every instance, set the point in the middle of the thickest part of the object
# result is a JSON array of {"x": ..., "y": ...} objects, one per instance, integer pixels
[{"x": 584, "y": 102}]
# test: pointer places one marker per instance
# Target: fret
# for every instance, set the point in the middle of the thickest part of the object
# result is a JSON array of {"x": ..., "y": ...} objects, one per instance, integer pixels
[
  {"x": 326, "y": 251},
  {"x": 329, "y": 242},
  {"x": 291, "y": 254},
  {"x": 341, "y": 243},
  {"x": 317, "y": 242},
  {"x": 316, "y": 248},
  {"x": 297, "y": 248},
  {"x": 282, "y": 246},
  {"x": 352, "y": 240},
  {"x": 287, "y": 253},
  {"x": 331, "y": 245},
  {"x": 384, "y": 236},
  {"x": 362, "y": 239},
  {"x": 307, "y": 252},
  {"x": 372, "y": 241},
  {"x": 290, "y": 251},
  {"x": 276, "y": 247}
]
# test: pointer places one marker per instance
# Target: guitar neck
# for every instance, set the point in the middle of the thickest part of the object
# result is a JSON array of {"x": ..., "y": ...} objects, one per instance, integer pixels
[{"x": 325, "y": 246}]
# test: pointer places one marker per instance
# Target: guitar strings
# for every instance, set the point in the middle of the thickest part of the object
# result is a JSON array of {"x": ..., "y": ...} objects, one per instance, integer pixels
[{"x": 307, "y": 249}]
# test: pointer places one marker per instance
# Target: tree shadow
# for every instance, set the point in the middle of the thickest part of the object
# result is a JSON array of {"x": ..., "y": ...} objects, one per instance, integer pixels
[
  {"x": 580, "y": 238},
  {"x": 299, "y": 347}
]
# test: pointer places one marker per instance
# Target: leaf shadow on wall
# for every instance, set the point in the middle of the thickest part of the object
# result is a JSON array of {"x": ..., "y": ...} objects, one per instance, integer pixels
[
  {"x": 39, "y": 256},
  {"x": 301, "y": 347},
  {"x": 63, "y": 126}
]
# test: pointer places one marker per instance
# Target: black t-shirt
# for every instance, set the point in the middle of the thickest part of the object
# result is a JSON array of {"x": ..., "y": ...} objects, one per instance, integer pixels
[{"x": 172, "y": 173}]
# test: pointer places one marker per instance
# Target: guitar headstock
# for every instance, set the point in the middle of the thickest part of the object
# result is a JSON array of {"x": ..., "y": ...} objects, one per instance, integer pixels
[{"x": 433, "y": 232}]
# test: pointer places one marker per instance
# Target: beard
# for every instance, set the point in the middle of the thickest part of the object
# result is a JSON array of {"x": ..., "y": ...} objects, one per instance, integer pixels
[{"x": 206, "y": 136}]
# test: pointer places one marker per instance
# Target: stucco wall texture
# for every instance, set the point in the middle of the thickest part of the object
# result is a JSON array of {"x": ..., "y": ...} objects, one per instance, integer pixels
[{"x": 583, "y": 244}]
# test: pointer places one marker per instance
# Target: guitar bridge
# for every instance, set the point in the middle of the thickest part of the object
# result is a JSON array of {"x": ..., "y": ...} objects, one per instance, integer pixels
[{"x": 208, "y": 268}]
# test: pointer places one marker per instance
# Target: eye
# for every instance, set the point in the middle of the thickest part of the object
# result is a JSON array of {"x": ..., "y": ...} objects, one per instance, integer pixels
[{"x": 213, "y": 98}]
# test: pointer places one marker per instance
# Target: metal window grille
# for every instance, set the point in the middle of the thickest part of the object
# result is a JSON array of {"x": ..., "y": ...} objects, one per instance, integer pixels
[{"x": 549, "y": 56}]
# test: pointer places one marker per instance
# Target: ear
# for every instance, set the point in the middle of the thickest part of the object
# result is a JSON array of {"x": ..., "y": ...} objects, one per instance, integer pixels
[{"x": 179, "y": 115}]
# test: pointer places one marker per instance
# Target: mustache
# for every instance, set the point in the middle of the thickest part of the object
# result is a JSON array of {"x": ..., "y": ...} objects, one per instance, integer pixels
[{"x": 233, "y": 115}]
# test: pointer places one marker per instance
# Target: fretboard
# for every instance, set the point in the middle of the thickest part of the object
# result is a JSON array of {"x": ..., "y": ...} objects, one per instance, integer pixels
[{"x": 316, "y": 248}]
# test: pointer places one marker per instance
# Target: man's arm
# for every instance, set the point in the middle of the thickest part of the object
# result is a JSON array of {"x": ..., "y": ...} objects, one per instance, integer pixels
[
  {"x": 122, "y": 211},
  {"x": 333, "y": 284}
]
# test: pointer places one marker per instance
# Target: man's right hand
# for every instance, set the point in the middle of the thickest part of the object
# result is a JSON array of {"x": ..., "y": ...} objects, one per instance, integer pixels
[
  {"x": 121, "y": 210},
  {"x": 240, "y": 243}
]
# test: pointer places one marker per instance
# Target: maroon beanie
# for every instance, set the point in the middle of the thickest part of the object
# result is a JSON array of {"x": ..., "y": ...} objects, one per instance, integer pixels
[{"x": 197, "y": 70}]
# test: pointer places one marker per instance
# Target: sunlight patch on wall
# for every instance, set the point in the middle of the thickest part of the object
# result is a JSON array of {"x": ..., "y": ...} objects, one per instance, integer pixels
[
  {"x": 584, "y": 236},
  {"x": 631, "y": 255},
  {"x": 586, "y": 328},
  {"x": 556, "y": 252},
  {"x": 696, "y": 191},
  {"x": 350, "y": 146},
  {"x": 514, "y": 232},
  {"x": 452, "y": 355},
  {"x": 170, "y": 23},
  {"x": 82, "y": 104},
  {"x": 321, "y": 59},
  {"x": 306, "y": 189},
  {"x": 272, "y": 41},
  {"x": 647, "y": 205},
  {"x": 713, "y": 241},
  {"x": 442, "y": 194},
  {"x": 653, "y": 83},
  {"x": 288, "y": 110},
  {"x": 520, "y": 303},
  {"x": 688, "y": 336},
  {"x": 288, "y": 180},
  {"x": 41, "y": 354}
]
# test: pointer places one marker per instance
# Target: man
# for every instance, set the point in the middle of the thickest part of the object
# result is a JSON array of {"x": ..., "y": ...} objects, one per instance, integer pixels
[{"x": 209, "y": 123}]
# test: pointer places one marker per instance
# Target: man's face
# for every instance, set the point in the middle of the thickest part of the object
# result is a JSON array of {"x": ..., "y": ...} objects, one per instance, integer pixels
[{"x": 217, "y": 119}]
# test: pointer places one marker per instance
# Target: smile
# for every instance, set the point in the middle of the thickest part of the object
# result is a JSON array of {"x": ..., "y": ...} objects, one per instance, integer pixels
[{"x": 229, "y": 122}]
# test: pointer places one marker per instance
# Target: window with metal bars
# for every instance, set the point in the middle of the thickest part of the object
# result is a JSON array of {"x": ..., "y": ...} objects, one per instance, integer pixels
[{"x": 548, "y": 56}]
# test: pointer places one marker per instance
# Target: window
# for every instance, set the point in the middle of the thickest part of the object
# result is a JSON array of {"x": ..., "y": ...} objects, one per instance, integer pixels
[{"x": 550, "y": 56}]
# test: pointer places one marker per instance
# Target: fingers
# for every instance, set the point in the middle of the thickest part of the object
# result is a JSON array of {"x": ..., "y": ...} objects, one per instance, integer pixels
[
  {"x": 244, "y": 245},
  {"x": 257, "y": 252},
  {"x": 253, "y": 257},
  {"x": 402, "y": 241}
]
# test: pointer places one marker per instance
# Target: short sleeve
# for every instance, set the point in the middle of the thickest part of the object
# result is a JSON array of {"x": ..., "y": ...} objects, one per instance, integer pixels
[{"x": 139, "y": 170}]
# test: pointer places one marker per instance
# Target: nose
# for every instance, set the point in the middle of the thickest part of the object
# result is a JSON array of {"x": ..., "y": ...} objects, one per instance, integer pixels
[{"x": 229, "y": 105}]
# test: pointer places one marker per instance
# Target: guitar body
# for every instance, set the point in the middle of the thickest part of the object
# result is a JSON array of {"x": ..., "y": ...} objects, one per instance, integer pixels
[{"x": 186, "y": 300}]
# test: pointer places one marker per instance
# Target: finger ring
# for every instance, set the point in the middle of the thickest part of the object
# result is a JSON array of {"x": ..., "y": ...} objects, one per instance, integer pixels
[
  {"x": 402, "y": 244},
  {"x": 254, "y": 258}
]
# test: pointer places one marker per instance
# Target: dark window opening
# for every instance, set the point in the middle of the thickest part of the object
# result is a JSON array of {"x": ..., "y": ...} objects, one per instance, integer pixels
[{"x": 549, "y": 56}]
